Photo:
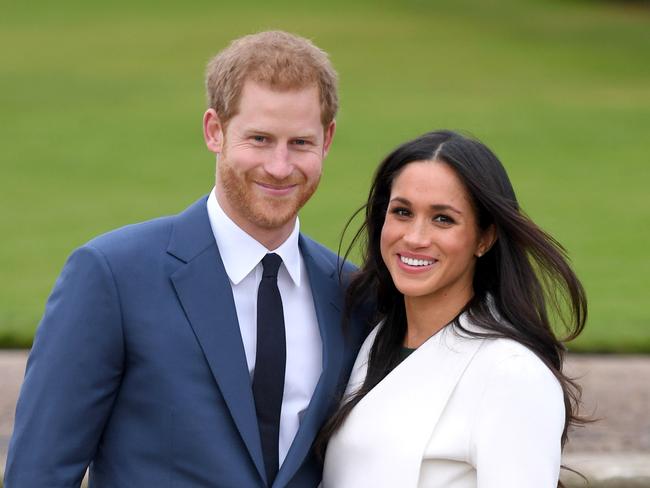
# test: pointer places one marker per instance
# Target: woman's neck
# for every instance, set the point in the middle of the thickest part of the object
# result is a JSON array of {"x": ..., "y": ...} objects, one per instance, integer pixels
[{"x": 426, "y": 315}]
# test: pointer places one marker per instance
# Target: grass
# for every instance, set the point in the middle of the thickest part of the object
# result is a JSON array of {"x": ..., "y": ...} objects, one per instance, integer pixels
[{"x": 101, "y": 107}]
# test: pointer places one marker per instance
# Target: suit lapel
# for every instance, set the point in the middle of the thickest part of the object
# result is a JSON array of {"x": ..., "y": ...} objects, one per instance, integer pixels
[
  {"x": 328, "y": 296},
  {"x": 428, "y": 381},
  {"x": 205, "y": 294},
  {"x": 404, "y": 408}
]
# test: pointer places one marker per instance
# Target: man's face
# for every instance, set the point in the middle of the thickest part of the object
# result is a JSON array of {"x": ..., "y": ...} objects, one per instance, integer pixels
[{"x": 270, "y": 157}]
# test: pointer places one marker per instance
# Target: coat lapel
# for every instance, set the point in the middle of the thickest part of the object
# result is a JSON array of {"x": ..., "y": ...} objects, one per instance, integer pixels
[
  {"x": 401, "y": 411},
  {"x": 328, "y": 296},
  {"x": 205, "y": 294}
]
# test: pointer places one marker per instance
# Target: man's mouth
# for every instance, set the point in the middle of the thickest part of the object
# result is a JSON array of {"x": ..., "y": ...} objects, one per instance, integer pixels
[{"x": 275, "y": 189}]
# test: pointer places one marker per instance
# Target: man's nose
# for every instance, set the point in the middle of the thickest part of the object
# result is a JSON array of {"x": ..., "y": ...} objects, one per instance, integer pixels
[{"x": 278, "y": 165}]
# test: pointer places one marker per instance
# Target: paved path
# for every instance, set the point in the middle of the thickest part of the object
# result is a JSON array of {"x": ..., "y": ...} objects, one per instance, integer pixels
[
  {"x": 614, "y": 452},
  {"x": 12, "y": 369},
  {"x": 616, "y": 390}
]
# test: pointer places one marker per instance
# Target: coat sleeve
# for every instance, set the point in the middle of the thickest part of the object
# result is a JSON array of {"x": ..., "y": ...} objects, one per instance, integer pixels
[
  {"x": 518, "y": 426},
  {"x": 73, "y": 374}
]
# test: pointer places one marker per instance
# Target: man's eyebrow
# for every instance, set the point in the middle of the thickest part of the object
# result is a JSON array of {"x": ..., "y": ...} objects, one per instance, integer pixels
[
  {"x": 262, "y": 132},
  {"x": 253, "y": 130},
  {"x": 440, "y": 207}
]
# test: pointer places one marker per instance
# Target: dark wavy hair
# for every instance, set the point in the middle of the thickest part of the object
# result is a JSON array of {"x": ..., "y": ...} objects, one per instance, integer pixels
[{"x": 525, "y": 277}]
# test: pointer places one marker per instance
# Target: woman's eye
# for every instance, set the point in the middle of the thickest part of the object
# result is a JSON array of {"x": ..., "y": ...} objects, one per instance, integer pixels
[
  {"x": 443, "y": 219},
  {"x": 401, "y": 211}
]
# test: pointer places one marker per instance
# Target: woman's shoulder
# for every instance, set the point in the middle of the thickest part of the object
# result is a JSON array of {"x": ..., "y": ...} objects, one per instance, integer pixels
[
  {"x": 508, "y": 354},
  {"x": 502, "y": 353},
  {"x": 517, "y": 412},
  {"x": 506, "y": 363},
  {"x": 501, "y": 356},
  {"x": 500, "y": 348},
  {"x": 508, "y": 384}
]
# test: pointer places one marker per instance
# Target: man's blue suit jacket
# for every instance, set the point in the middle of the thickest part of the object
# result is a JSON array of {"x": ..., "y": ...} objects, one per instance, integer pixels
[{"x": 138, "y": 368}]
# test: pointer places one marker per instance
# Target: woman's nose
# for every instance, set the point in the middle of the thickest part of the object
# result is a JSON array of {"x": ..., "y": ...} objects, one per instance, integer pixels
[{"x": 418, "y": 235}]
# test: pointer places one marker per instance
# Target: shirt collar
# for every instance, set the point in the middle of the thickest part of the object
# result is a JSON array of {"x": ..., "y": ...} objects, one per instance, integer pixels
[{"x": 240, "y": 252}]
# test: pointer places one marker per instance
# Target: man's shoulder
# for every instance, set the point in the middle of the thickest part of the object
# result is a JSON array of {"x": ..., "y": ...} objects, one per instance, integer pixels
[
  {"x": 322, "y": 253},
  {"x": 133, "y": 235},
  {"x": 150, "y": 235}
]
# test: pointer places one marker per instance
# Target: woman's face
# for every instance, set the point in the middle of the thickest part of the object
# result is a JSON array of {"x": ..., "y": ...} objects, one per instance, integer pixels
[{"x": 430, "y": 239}]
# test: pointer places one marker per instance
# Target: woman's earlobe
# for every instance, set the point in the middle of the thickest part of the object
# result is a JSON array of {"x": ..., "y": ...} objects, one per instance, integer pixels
[{"x": 487, "y": 241}]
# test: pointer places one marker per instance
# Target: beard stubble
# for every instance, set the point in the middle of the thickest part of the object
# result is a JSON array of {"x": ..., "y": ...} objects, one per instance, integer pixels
[{"x": 263, "y": 211}]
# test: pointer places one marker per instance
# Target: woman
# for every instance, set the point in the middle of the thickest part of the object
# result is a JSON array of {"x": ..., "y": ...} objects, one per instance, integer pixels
[{"x": 461, "y": 383}]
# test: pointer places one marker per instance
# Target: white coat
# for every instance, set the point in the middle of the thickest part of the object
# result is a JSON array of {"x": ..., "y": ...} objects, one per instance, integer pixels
[{"x": 459, "y": 412}]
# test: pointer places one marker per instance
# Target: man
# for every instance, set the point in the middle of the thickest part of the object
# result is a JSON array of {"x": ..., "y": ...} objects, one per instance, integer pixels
[{"x": 203, "y": 349}]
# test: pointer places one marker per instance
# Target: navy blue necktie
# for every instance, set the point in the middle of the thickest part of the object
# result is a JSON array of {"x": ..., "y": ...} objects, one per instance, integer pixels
[{"x": 270, "y": 359}]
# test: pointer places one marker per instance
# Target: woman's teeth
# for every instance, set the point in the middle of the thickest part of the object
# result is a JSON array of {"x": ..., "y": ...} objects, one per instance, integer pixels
[{"x": 415, "y": 262}]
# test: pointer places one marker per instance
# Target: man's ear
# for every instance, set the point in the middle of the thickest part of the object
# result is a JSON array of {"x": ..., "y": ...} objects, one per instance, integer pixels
[
  {"x": 486, "y": 241},
  {"x": 213, "y": 131},
  {"x": 329, "y": 135}
]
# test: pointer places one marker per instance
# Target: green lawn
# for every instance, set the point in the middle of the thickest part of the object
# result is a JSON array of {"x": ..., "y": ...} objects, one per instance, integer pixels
[{"x": 101, "y": 104}]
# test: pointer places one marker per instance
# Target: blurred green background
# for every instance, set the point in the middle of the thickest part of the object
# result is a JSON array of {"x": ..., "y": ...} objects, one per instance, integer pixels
[{"x": 101, "y": 105}]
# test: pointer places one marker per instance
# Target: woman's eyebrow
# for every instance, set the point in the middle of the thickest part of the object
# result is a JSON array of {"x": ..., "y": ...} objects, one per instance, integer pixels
[{"x": 439, "y": 207}]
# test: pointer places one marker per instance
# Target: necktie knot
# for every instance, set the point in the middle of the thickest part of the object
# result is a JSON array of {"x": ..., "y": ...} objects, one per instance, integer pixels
[{"x": 271, "y": 264}]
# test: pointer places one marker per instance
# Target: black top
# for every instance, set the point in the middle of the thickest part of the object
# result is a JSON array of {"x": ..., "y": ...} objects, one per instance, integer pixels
[{"x": 404, "y": 353}]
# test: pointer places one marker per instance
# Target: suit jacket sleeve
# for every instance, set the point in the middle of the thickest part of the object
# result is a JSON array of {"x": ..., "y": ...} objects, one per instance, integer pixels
[
  {"x": 518, "y": 426},
  {"x": 72, "y": 376}
]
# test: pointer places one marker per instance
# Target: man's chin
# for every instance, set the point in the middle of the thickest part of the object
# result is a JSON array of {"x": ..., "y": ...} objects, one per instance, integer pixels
[
  {"x": 274, "y": 216},
  {"x": 271, "y": 222},
  {"x": 277, "y": 212}
]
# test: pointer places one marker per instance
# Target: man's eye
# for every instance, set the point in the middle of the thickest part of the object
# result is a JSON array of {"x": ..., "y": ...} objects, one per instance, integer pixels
[
  {"x": 259, "y": 138},
  {"x": 300, "y": 142}
]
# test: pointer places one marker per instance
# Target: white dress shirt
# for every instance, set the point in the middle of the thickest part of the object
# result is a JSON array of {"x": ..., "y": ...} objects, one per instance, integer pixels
[{"x": 242, "y": 255}]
